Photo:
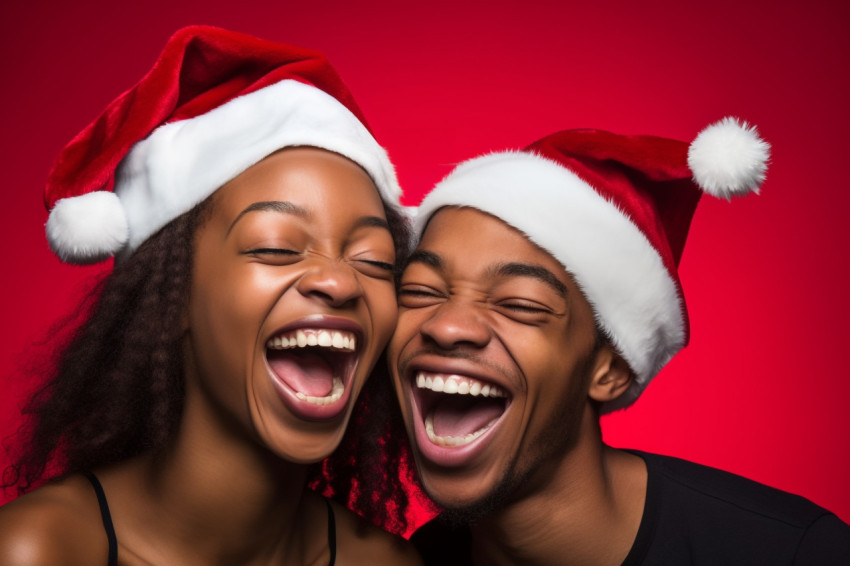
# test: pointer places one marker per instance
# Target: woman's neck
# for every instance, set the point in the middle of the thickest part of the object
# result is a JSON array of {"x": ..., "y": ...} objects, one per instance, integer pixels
[{"x": 217, "y": 492}]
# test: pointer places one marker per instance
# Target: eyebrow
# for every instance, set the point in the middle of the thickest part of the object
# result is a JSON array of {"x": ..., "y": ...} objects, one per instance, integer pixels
[
  {"x": 428, "y": 258},
  {"x": 512, "y": 269},
  {"x": 281, "y": 206},
  {"x": 534, "y": 271},
  {"x": 286, "y": 207},
  {"x": 372, "y": 221}
]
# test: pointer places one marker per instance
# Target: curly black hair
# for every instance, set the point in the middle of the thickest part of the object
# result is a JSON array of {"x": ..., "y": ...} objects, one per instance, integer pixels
[{"x": 117, "y": 389}]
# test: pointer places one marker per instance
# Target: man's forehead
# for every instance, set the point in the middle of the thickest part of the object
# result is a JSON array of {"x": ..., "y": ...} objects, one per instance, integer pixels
[
  {"x": 463, "y": 237},
  {"x": 463, "y": 231},
  {"x": 450, "y": 219}
]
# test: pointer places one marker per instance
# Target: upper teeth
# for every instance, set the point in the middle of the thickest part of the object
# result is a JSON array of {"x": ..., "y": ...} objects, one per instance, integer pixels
[
  {"x": 303, "y": 337},
  {"x": 457, "y": 385}
]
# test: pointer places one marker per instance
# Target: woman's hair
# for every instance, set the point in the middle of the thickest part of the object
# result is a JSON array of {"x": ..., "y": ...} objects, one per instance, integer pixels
[
  {"x": 372, "y": 470},
  {"x": 117, "y": 389}
]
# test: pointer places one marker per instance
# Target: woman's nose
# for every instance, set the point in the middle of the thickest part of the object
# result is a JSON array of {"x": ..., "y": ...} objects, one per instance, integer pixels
[{"x": 332, "y": 282}]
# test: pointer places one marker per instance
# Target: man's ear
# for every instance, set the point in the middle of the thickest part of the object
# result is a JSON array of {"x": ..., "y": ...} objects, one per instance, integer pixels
[{"x": 611, "y": 376}]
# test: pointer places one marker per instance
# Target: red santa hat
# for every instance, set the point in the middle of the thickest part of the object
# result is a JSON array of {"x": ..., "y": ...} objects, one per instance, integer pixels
[
  {"x": 615, "y": 211},
  {"x": 215, "y": 103}
]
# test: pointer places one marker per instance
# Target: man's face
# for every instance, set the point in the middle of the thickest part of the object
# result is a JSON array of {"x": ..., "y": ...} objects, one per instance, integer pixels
[{"x": 490, "y": 360}]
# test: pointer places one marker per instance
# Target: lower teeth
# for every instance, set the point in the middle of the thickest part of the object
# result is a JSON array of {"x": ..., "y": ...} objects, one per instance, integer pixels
[
  {"x": 452, "y": 440},
  {"x": 335, "y": 394}
]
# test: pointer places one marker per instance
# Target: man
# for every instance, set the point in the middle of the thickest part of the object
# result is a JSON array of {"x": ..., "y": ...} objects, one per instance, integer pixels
[{"x": 543, "y": 293}]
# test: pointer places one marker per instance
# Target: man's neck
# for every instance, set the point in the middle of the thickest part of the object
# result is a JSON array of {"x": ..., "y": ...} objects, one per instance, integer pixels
[{"x": 587, "y": 512}]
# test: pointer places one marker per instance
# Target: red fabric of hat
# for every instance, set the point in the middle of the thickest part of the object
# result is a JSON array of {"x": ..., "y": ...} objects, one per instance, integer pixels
[
  {"x": 200, "y": 68},
  {"x": 647, "y": 176},
  {"x": 615, "y": 211},
  {"x": 214, "y": 103}
]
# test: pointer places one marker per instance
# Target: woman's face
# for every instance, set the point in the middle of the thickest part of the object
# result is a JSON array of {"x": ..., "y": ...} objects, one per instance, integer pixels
[{"x": 292, "y": 301}]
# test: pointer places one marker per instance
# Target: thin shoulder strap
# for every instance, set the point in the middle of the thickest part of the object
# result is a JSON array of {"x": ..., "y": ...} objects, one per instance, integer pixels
[
  {"x": 107, "y": 518},
  {"x": 331, "y": 533}
]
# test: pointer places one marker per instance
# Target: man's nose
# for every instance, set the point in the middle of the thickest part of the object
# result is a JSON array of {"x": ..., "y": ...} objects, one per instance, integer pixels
[{"x": 456, "y": 324}]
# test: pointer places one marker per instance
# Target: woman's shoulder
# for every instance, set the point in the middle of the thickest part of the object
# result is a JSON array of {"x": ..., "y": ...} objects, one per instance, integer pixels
[
  {"x": 58, "y": 523},
  {"x": 361, "y": 542}
]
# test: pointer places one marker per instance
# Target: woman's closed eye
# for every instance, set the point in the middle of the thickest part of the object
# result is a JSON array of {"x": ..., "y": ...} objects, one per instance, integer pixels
[
  {"x": 374, "y": 268},
  {"x": 272, "y": 251},
  {"x": 379, "y": 264},
  {"x": 274, "y": 256}
]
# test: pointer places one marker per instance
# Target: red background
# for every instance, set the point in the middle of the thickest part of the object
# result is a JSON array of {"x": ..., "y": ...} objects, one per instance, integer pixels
[{"x": 762, "y": 390}]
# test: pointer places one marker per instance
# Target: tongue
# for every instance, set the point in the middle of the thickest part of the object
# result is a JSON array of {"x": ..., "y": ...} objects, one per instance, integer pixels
[
  {"x": 306, "y": 372},
  {"x": 459, "y": 415}
]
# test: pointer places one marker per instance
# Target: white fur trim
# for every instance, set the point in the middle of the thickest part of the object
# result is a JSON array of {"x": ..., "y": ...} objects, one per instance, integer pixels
[
  {"x": 87, "y": 228},
  {"x": 182, "y": 163},
  {"x": 728, "y": 158},
  {"x": 634, "y": 299}
]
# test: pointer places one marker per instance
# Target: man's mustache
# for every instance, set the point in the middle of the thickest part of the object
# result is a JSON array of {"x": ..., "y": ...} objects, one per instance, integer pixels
[{"x": 458, "y": 353}]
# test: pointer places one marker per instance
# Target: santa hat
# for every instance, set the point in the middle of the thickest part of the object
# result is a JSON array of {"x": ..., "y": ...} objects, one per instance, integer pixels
[
  {"x": 215, "y": 103},
  {"x": 615, "y": 211}
]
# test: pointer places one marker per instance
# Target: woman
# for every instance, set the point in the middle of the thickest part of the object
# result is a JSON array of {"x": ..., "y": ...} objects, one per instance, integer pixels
[{"x": 255, "y": 230}]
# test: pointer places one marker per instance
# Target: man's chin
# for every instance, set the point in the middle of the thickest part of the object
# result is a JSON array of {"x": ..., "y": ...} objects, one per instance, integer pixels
[{"x": 469, "y": 513}]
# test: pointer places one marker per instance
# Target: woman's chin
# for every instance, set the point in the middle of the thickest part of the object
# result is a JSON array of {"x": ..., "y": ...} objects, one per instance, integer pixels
[
  {"x": 303, "y": 441},
  {"x": 307, "y": 454}
]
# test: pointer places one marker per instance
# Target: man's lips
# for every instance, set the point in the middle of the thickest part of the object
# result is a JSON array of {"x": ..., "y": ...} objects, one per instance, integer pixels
[
  {"x": 455, "y": 413},
  {"x": 457, "y": 384}
]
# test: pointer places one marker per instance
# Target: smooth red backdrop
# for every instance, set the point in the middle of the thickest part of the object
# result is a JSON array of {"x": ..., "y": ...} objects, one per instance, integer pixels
[{"x": 762, "y": 390}]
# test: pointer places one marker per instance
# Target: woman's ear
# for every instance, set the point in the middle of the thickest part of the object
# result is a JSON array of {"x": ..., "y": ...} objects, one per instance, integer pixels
[{"x": 611, "y": 377}]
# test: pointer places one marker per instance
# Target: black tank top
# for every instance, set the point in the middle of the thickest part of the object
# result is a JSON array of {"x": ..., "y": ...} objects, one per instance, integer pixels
[{"x": 113, "y": 542}]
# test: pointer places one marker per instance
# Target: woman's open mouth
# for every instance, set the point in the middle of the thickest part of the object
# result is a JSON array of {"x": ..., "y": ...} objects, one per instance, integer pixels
[
  {"x": 454, "y": 414},
  {"x": 313, "y": 368}
]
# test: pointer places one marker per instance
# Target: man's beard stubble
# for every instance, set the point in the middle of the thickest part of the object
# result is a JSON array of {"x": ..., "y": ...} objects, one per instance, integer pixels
[{"x": 559, "y": 437}]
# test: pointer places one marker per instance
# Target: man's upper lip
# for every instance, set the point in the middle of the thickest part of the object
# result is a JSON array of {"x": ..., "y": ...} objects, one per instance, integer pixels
[
  {"x": 321, "y": 321},
  {"x": 434, "y": 363}
]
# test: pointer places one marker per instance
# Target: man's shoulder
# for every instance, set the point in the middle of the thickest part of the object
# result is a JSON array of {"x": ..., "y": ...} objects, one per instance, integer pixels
[
  {"x": 728, "y": 518},
  {"x": 438, "y": 542},
  {"x": 698, "y": 514},
  {"x": 740, "y": 494}
]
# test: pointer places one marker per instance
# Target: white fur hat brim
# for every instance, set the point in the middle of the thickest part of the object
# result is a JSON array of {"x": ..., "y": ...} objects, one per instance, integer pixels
[
  {"x": 182, "y": 163},
  {"x": 634, "y": 298}
]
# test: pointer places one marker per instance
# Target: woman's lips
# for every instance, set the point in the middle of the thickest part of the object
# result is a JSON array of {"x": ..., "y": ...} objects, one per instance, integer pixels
[
  {"x": 312, "y": 367},
  {"x": 306, "y": 360}
]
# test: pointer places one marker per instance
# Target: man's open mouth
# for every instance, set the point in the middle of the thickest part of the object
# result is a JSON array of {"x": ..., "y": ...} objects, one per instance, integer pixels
[
  {"x": 456, "y": 410},
  {"x": 316, "y": 364}
]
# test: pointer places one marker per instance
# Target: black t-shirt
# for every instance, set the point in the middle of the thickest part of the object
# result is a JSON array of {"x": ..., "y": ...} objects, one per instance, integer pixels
[{"x": 699, "y": 516}]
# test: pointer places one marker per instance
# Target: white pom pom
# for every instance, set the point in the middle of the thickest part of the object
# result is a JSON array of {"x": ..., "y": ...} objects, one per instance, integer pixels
[
  {"x": 728, "y": 159},
  {"x": 87, "y": 228}
]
